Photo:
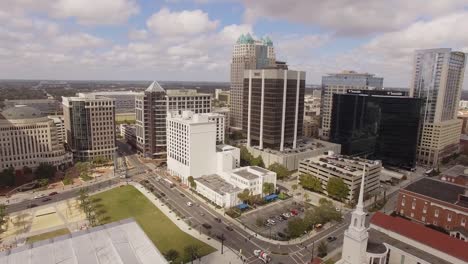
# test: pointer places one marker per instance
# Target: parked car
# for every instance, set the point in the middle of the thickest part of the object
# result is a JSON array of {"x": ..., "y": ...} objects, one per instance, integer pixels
[
  {"x": 279, "y": 218},
  {"x": 217, "y": 220},
  {"x": 271, "y": 220},
  {"x": 229, "y": 228},
  {"x": 163, "y": 194},
  {"x": 53, "y": 193},
  {"x": 206, "y": 225},
  {"x": 294, "y": 212},
  {"x": 189, "y": 204},
  {"x": 181, "y": 194},
  {"x": 31, "y": 205},
  {"x": 282, "y": 235},
  {"x": 287, "y": 215},
  {"x": 46, "y": 199},
  {"x": 331, "y": 238}
]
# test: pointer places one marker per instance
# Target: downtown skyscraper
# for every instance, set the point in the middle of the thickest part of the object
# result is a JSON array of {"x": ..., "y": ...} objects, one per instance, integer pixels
[
  {"x": 438, "y": 80},
  {"x": 248, "y": 54}
]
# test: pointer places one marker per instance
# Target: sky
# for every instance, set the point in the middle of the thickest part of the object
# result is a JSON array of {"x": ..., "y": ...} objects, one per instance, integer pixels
[{"x": 192, "y": 40}]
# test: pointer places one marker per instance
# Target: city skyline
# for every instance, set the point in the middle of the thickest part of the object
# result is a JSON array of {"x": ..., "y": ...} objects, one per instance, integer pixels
[{"x": 193, "y": 40}]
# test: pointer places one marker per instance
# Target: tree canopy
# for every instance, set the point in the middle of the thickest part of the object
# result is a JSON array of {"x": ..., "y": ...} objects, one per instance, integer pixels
[
  {"x": 45, "y": 171},
  {"x": 268, "y": 188},
  {"x": 7, "y": 177},
  {"x": 281, "y": 171},
  {"x": 337, "y": 188},
  {"x": 310, "y": 182}
]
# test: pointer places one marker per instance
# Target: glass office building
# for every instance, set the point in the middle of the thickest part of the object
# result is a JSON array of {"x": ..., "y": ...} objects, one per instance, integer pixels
[{"x": 379, "y": 125}]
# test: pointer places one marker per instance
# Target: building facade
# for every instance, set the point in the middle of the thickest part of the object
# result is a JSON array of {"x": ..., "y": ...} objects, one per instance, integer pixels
[
  {"x": 273, "y": 108},
  {"x": 247, "y": 54},
  {"x": 380, "y": 125},
  {"x": 128, "y": 132},
  {"x": 457, "y": 174},
  {"x": 151, "y": 108},
  {"x": 60, "y": 125},
  {"x": 90, "y": 126},
  {"x": 29, "y": 138},
  {"x": 340, "y": 83},
  {"x": 434, "y": 202},
  {"x": 349, "y": 169},
  {"x": 438, "y": 80}
]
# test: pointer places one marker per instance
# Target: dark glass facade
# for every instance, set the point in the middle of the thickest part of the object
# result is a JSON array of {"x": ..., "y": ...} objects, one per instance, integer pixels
[{"x": 377, "y": 126}]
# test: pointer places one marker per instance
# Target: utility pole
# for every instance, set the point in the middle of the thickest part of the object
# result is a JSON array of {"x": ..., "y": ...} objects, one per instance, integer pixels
[
  {"x": 222, "y": 243},
  {"x": 312, "y": 251}
]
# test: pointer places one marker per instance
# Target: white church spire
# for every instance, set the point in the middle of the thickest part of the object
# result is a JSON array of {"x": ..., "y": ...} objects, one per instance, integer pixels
[{"x": 360, "y": 205}]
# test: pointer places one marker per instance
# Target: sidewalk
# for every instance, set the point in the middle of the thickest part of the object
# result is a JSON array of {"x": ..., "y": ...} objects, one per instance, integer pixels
[{"x": 216, "y": 257}]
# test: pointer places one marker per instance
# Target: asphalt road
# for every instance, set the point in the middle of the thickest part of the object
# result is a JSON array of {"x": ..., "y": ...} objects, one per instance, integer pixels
[{"x": 59, "y": 197}]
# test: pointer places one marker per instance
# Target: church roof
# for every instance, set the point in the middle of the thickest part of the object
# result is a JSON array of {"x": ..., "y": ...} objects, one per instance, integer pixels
[
  {"x": 422, "y": 234},
  {"x": 154, "y": 87}
]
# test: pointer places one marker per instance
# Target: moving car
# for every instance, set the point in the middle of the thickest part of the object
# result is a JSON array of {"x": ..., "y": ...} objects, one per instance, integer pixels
[
  {"x": 46, "y": 199},
  {"x": 39, "y": 196},
  {"x": 206, "y": 225},
  {"x": 189, "y": 204},
  {"x": 31, "y": 205},
  {"x": 262, "y": 255},
  {"x": 217, "y": 220},
  {"x": 331, "y": 238},
  {"x": 229, "y": 228},
  {"x": 53, "y": 193}
]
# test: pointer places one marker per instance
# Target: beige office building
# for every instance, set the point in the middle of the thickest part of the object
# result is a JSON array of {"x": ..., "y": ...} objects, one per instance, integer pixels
[
  {"x": 90, "y": 126},
  {"x": 438, "y": 80},
  {"x": 29, "y": 138}
]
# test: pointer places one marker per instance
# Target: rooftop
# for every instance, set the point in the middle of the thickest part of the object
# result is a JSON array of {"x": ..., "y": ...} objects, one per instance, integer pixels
[
  {"x": 438, "y": 190},
  {"x": 342, "y": 163},
  {"x": 251, "y": 172},
  {"x": 419, "y": 233},
  {"x": 303, "y": 145},
  {"x": 118, "y": 242},
  {"x": 21, "y": 112},
  {"x": 154, "y": 87},
  {"x": 185, "y": 92},
  {"x": 457, "y": 170},
  {"x": 217, "y": 184}
]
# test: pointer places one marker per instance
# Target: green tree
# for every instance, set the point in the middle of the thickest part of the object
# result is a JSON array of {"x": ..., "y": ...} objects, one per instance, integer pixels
[
  {"x": 245, "y": 157},
  {"x": 258, "y": 161},
  {"x": 3, "y": 216},
  {"x": 99, "y": 160},
  {"x": 281, "y": 171},
  {"x": 192, "y": 182},
  {"x": 268, "y": 188},
  {"x": 337, "y": 188},
  {"x": 322, "y": 249},
  {"x": 191, "y": 252},
  {"x": 45, "y": 171},
  {"x": 171, "y": 255},
  {"x": 294, "y": 187},
  {"x": 7, "y": 177},
  {"x": 43, "y": 182},
  {"x": 296, "y": 227},
  {"x": 310, "y": 182},
  {"x": 306, "y": 197},
  {"x": 244, "y": 195}
]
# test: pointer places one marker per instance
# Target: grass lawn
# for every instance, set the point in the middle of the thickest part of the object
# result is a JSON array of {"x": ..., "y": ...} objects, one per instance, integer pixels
[
  {"x": 124, "y": 202},
  {"x": 51, "y": 234}
]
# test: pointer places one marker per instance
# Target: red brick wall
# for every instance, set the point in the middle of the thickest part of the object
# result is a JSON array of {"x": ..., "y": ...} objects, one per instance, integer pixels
[{"x": 432, "y": 206}]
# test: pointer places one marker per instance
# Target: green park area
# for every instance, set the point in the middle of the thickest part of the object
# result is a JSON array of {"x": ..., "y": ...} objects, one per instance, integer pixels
[{"x": 126, "y": 201}]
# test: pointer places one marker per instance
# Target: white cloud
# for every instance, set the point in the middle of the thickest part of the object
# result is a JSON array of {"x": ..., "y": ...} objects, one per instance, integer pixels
[
  {"x": 138, "y": 34},
  {"x": 351, "y": 17},
  {"x": 167, "y": 23},
  {"x": 96, "y": 12},
  {"x": 78, "y": 41}
]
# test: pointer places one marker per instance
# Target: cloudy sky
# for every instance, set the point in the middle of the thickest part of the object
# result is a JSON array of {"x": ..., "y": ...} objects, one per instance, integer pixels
[{"x": 193, "y": 39}]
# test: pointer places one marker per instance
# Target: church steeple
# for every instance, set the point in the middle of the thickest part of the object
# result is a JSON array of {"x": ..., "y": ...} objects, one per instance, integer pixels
[{"x": 356, "y": 236}]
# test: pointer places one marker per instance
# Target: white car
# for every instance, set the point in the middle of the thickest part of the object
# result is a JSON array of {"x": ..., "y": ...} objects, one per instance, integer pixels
[
  {"x": 39, "y": 196},
  {"x": 189, "y": 204}
]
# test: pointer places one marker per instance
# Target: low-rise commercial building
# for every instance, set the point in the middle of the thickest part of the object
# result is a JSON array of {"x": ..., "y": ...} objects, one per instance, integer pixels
[
  {"x": 218, "y": 190},
  {"x": 347, "y": 168},
  {"x": 290, "y": 158},
  {"x": 45, "y": 106},
  {"x": 29, "y": 138},
  {"x": 458, "y": 174},
  {"x": 435, "y": 202}
]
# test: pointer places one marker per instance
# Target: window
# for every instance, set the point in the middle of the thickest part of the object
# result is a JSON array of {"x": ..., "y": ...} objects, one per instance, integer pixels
[
  {"x": 413, "y": 205},
  {"x": 403, "y": 202},
  {"x": 449, "y": 217},
  {"x": 463, "y": 221},
  {"x": 425, "y": 209},
  {"x": 436, "y": 213}
]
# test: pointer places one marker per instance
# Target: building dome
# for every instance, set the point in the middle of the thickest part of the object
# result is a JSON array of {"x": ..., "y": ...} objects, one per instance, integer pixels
[{"x": 21, "y": 112}]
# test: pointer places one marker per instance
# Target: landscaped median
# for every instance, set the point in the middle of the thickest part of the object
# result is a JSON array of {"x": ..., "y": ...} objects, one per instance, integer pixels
[{"x": 126, "y": 201}]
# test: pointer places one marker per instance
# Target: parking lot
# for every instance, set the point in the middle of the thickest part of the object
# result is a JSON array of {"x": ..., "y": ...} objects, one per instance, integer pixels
[{"x": 275, "y": 218}]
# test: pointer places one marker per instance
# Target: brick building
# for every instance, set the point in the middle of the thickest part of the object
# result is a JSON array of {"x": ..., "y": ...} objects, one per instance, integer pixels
[
  {"x": 435, "y": 202},
  {"x": 458, "y": 174}
]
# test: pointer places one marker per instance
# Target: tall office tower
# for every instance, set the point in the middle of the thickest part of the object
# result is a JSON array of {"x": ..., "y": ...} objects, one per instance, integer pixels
[
  {"x": 273, "y": 107},
  {"x": 380, "y": 124},
  {"x": 438, "y": 80},
  {"x": 29, "y": 138},
  {"x": 339, "y": 83},
  {"x": 248, "y": 54},
  {"x": 90, "y": 126},
  {"x": 151, "y": 108}
]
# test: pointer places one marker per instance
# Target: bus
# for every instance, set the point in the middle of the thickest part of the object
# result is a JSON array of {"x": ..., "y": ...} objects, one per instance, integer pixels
[{"x": 169, "y": 183}]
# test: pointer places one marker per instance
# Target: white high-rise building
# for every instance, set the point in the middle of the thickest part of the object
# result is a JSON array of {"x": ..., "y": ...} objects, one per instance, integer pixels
[
  {"x": 191, "y": 144},
  {"x": 438, "y": 80},
  {"x": 248, "y": 54},
  {"x": 339, "y": 83},
  {"x": 90, "y": 126}
]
